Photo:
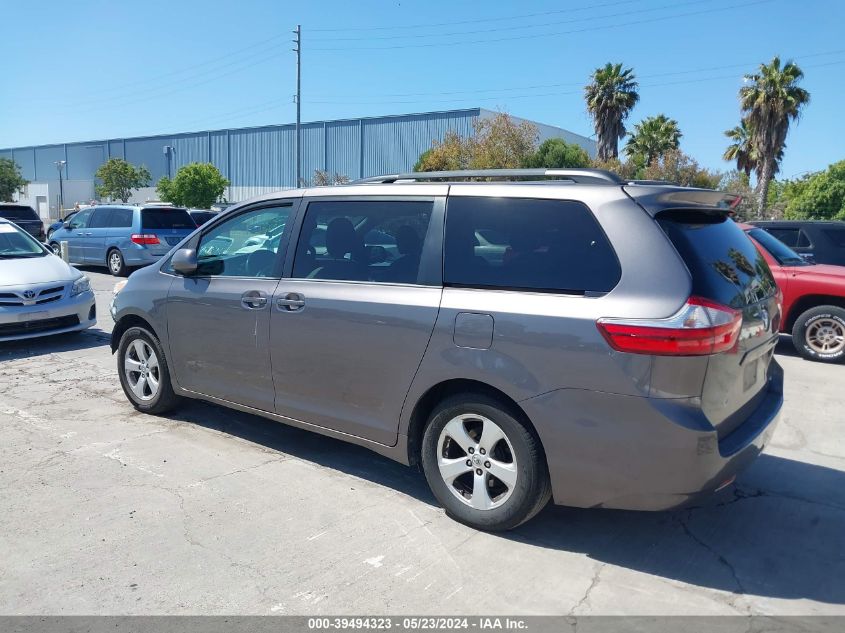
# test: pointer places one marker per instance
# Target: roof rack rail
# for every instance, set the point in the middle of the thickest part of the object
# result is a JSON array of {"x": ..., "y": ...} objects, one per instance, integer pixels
[{"x": 580, "y": 176}]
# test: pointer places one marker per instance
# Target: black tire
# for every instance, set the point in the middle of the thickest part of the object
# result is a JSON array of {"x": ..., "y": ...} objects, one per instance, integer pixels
[
  {"x": 165, "y": 399},
  {"x": 54, "y": 246},
  {"x": 532, "y": 489},
  {"x": 115, "y": 263},
  {"x": 830, "y": 317}
]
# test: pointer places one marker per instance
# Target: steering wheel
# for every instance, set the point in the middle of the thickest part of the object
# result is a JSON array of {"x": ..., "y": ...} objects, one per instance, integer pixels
[{"x": 260, "y": 263}]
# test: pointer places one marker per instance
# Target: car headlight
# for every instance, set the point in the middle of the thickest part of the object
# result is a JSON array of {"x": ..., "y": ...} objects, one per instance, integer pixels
[
  {"x": 119, "y": 286},
  {"x": 83, "y": 284}
]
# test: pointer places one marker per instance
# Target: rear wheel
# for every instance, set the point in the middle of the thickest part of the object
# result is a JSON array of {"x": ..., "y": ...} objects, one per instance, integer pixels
[
  {"x": 819, "y": 334},
  {"x": 144, "y": 374},
  {"x": 117, "y": 266},
  {"x": 484, "y": 466}
]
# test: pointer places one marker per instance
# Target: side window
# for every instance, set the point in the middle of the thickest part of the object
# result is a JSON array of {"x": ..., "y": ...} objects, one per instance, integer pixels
[
  {"x": 246, "y": 245},
  {"x": 787, "y": 236},
  {"x": 80, "y": 220},
  {"x": 519, "y": 243},
  {"x": 803, "y": 240},
  {"x": 360, "y": 240},
  {"x": 121, "y": 218},
  {"x": 837, "y": 236},
  {"x": 101, "y": 218}
]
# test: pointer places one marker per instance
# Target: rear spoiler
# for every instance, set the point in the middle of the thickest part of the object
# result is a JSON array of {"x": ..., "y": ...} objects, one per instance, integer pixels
[{"x": 655, "y": 199}]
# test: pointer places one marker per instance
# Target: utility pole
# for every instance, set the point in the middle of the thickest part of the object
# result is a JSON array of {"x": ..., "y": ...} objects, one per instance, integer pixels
[
  {"x": 298, "y": 99},
  {"x": 60, "y": 165}
]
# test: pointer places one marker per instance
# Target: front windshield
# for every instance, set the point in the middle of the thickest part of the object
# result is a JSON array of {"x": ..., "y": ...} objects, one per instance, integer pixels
[
  {"x": 784, "y": 255},
  {"x": 15, "y": 243}
]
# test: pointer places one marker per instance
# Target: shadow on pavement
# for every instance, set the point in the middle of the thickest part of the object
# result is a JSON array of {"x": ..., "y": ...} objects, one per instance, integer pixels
[
  {"x": 55, "y": 343},
  {"x": 780, "y": 533}
]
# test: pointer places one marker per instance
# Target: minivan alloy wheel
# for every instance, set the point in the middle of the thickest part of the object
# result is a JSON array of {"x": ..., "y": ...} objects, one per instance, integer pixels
[
  {"x": 115, "y": 262},
  {"x": 477, "y": 461},
  {"x": 141, "y": 367},
  {"x": 826, "y": 336}
]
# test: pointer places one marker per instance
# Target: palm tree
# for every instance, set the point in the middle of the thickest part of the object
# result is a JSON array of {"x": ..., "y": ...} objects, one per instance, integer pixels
[
  {"x": 610, "y": 96},
  {"x": 742, "y": 150},
  {"x": 770, "y": 101},
  {"x": 653, "y": 137}
]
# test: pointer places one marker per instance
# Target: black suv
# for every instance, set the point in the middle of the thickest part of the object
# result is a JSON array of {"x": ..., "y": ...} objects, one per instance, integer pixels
[
  {"x": 25, "y": 217},
  {"x": 819, "y": 240}
]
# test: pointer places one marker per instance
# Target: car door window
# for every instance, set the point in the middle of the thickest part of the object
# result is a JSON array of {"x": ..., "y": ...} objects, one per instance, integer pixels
[
  {"x": 787, "y": 236},
  {"x": 803, "y": 240},
  {"x": 360, "y": 240},
  {"x": 520, "y": 243},
  {"x": 100, "y": 218},
  {"x": 80, "y": 220},
  {"x": 246, "y": 245}
]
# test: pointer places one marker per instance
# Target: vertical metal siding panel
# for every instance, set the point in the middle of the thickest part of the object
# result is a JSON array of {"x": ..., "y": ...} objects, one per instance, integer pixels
[
  {"x": 45, "y": 163},
  {"x": 25, "y": 158},
  {"x": 219, "y": 152},
  {"x": 84, "y": 159},
  {"x": 262, "y": 159},
  {"x": 148, "y": 152},
  {"x": 312, "y": 150},
  {"x": 190, "y": 148},
  {"x": 116, "y": 148},
  {"x": 342, "y": 148}
]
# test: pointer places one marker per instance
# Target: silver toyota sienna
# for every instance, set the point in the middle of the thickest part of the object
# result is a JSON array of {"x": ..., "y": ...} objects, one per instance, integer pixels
[{"x": 519, "y": 334}]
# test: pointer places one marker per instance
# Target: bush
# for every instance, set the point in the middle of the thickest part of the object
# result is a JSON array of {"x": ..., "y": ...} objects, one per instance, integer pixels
[
  {"x": 557, "y": 153},
  {"x": 198, "y": 185},
  {"x": 120, "y": 178}
]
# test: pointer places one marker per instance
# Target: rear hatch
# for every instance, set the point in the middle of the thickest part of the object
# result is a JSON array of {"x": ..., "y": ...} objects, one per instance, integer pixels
[
  {"x": 169, "y": 224},
  {"x": 25, "y": 217},
  {"x": 726, "y": 268}
]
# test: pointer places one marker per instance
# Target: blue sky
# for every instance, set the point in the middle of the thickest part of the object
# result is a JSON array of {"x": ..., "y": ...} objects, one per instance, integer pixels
[{"x": 91, "y": 69}]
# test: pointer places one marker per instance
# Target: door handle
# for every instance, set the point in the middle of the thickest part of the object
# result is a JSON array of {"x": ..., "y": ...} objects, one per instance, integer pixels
[
  {"x": 253, "y": 300},
  {"x": 291, "y": 302},
  {"x": 88, "y": 234}
]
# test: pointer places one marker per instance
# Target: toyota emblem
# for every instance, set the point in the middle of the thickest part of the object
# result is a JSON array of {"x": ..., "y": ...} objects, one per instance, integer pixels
[{"x": 28, "y": 294}]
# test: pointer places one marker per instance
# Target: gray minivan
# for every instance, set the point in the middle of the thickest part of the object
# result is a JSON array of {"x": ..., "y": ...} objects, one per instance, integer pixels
[
  {"x": 607, "y": 344},
  {"x": 122, "y": 237}
]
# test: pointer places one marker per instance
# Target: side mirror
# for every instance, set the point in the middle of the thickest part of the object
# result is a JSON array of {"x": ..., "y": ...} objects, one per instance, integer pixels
[
  {"x": 66, "y": 225},
  {"x": 184, "y": 261}
]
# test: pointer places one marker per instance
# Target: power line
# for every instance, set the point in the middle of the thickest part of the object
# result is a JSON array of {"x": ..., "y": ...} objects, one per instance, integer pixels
[
  {"x": 628, "y": 23},
  {"x": 512, "y": 28},
  {"x": 395, "y": 27},
  {"x": 574, "y": 83}
]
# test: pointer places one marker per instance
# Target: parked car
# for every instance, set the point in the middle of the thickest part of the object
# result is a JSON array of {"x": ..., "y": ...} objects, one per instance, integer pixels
[
  {"x": 201, "y": 216},
  {"x": 59, "y": 223},
  {"x": 819, "y": 242},
  {"x": 813, "y": 299},
  {"x": 25, "y": 217},
  {"x": 219, "y": 207},
  {"x": 604, "y": 363},
  {"x": 39, "y": 293},
  {"x": 121, "y": 236}
]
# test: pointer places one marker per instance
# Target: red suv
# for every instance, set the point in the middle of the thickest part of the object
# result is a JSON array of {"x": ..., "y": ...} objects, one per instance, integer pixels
[{"x": 813, "y": 299}]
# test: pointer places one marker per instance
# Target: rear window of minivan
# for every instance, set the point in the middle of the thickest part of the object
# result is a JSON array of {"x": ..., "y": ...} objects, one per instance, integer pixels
[
  {"x": 725, "y": 265},
  {"x": 166, "y": 218},
  {"x": 18, "y": 212}
]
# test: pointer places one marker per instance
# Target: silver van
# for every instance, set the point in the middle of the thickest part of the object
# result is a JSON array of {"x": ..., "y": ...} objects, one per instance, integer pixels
[
  {"x": 537, "y": 334},
  {"x": 122, "y": 237}
]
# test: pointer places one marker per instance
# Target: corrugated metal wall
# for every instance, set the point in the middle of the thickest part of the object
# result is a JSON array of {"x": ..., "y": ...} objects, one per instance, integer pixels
[{"x": 262, "y": 158}]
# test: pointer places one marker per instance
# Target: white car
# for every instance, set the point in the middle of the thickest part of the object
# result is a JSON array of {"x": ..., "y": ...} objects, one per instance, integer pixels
[{"x": 40, "y": 293}]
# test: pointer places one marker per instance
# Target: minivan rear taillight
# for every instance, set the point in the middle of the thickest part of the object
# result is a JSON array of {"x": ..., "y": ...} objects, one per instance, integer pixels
[
  {"x": 699, "y": 328},
  {"x": 144, "y": 238}
]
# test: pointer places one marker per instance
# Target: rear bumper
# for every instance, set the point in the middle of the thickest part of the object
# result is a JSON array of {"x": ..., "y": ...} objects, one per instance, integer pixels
[
  {"x": 138, "y": 255},
  {"x": 638, "y": 453},
  {"x": 68, "y": 315}
]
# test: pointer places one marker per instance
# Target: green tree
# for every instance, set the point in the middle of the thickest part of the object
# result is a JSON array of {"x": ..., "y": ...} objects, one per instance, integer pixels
[
  {"x": 164, "y": 188},
  {"x": 770, "y": 101},
  {"x": 653, "y": 137},
  {"x": 324, "y": 178},
  {"x": 197, "y": 185},
  {"x": 739, "y": 183},
  {"x": 610, "y": 95},
  {"x": 11, "y": 181},
  {"x": 557, "y": 153},
  {"x": 741, "y": 150},
  {"x": 675, "y": 166},
  {"x": 499, "y": 142},
  {"x": 820, "y": 196},
  {"x": 120, "y": 178}
]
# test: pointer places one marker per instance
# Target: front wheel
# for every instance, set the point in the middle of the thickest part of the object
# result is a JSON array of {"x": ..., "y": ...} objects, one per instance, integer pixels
[
  {"x": 819, "y": 334},
  {"x": 485, "y": 467},
  {"x": 143, "y": 372}
]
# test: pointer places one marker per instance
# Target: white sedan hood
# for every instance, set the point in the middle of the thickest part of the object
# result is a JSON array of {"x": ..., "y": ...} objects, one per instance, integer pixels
[{"x": 35, "y": 270}]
